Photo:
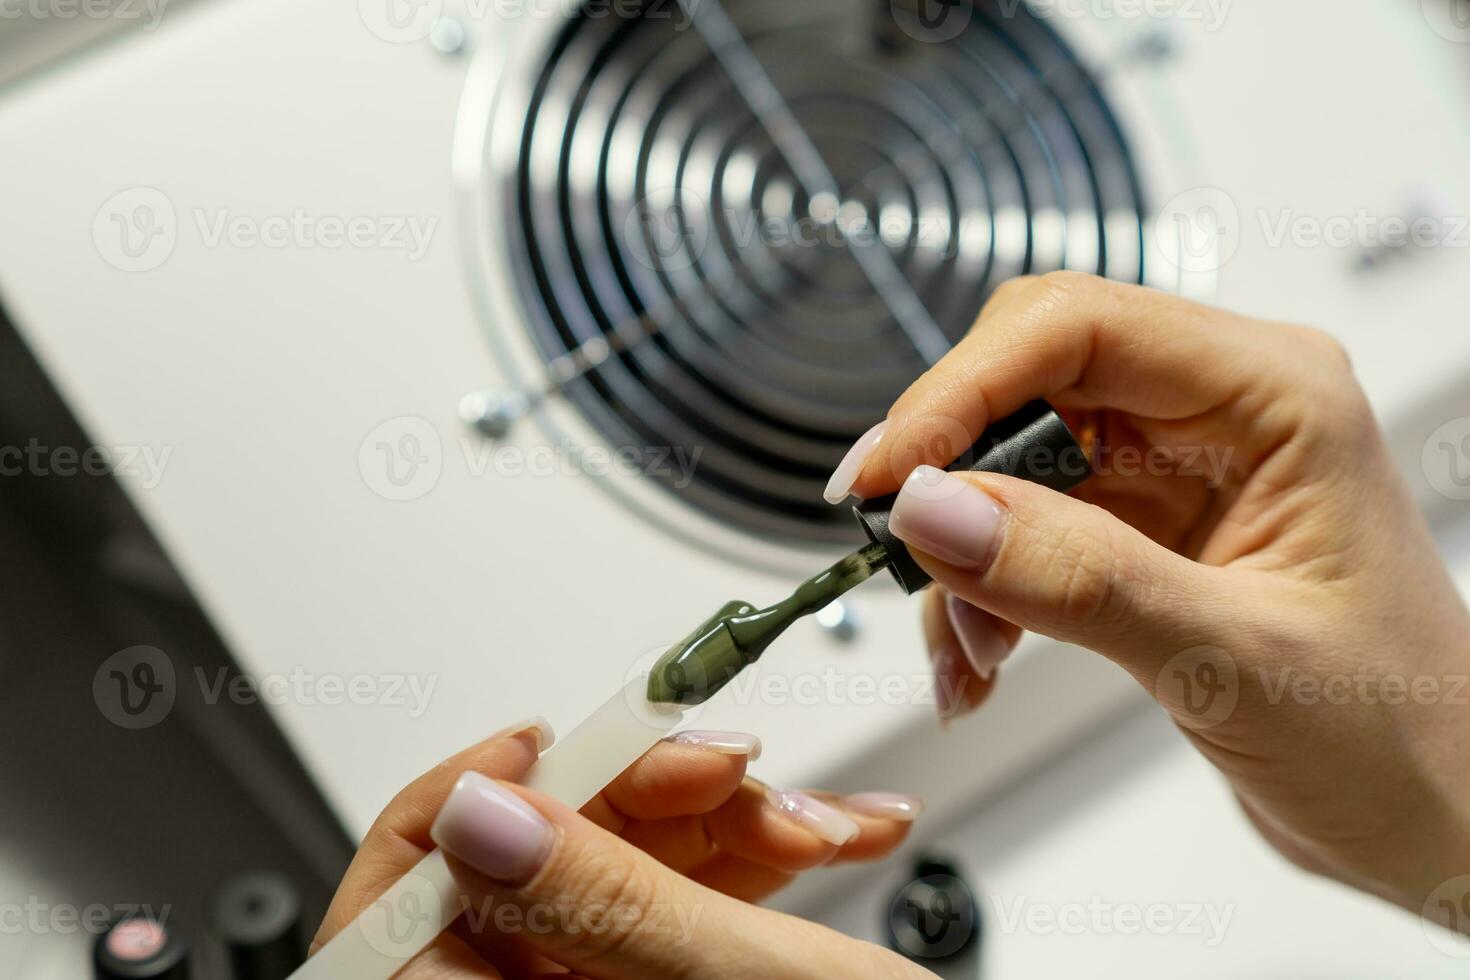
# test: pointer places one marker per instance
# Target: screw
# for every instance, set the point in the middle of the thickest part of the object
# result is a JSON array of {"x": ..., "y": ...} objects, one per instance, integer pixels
[
  {"x": 837, "y": 618},
  {"x": 448, "y": 36},
  {"x": 492, "y": 413}
]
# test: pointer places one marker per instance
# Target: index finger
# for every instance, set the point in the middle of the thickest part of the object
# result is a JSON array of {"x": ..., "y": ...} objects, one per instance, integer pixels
[{"x": 1082, "y": 342}]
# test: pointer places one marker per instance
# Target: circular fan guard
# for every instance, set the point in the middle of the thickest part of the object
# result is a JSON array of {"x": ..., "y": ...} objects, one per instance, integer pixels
[{"x": 692, "y": 295}]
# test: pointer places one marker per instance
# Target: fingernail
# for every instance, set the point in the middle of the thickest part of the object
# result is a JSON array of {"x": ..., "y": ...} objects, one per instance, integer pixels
[
  {"x": 985, "y": 646},
  {"x": 826, "y": 822},
  {"x": 725, "y": 743},
  {"x": 847, "y": 471},
  {"x": 492, "y": 830},
  {"x": 947, "y": 517},
  {"x": 887, "y": 806},
  {"x": 538, "y": 726}
]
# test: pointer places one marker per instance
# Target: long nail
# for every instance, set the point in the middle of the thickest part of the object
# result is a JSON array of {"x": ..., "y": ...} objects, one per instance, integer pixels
[
  {"x": 492, "y": 830},
  {"x": 948, "y": 517},
  {"x": 985, "y": 646},
  {"x": 847, "y": 471},
  {"x": 886, "y": 806},
  {"x": 538, "y": 726},
  {"x": 811, "y": 814},
  {"x": 725, "y": 743}
]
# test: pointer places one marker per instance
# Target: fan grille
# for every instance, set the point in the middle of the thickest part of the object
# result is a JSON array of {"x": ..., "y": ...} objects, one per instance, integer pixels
[{"x": 657, "y": 216}]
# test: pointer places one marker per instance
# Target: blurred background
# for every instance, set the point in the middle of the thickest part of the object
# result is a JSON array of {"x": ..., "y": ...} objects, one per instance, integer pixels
[{"x": 376, "y": 374}]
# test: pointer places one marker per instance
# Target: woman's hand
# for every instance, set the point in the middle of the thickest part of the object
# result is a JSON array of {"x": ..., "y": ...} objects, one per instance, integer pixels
[
  {"x": 1247, "y": 551},
  {"x": 651, "y": 879}
]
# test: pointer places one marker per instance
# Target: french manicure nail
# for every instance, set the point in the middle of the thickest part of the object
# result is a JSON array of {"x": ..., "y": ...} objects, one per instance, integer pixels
[
  {"x": 725, "y": 743},
  {"x": 947, "y": 517},
  {"x": 826, "y": 822},
  {"x": 847, "y": 471},
  {"x": 492, "y": 830},
  {"x": 887, "y": 806},
  {"x": 985, "y": 646},
  {"x": 539, "y": 726}
]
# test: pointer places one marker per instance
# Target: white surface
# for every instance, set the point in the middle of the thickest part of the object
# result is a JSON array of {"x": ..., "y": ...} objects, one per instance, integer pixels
[
  {"x": 267, "y": 373},
  {"x": 1070, "y": 867}
]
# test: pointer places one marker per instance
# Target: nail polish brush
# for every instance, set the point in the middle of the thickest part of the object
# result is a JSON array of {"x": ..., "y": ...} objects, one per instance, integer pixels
[{"x": 1034, "y": 444}]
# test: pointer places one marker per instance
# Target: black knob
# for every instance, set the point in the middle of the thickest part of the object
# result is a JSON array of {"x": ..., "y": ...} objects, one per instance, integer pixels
[{"x": 257, "y": 915}]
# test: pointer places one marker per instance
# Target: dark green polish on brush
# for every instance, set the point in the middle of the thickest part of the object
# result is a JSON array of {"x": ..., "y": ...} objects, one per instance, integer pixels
[
  {"x": 735, "y": 637},
  {"x": 1034, "y": 444}
]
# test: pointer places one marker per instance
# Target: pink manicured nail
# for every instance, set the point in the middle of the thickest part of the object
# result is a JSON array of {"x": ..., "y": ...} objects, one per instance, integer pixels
[
  {"x": 813, "y": 815},
  {"x": 887, "y": 806},
  {"x": 947, "y": 517},
  {"x": 985, "y": 646},
  {"x": 492, "y": 830},
  {"x": 847, "y": 471},
  {"x": 725, "y": 743},
  {"x": 538, "y": 726}
]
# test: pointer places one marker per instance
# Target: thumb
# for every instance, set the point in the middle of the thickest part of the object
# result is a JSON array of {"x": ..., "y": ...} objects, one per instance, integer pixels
[
  {"x": 589, "y": 901},
  {"x": 1057, "y": 566}
]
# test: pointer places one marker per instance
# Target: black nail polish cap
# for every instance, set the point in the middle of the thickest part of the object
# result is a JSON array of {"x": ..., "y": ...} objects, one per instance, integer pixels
[{"x": 1034, "y": 444}]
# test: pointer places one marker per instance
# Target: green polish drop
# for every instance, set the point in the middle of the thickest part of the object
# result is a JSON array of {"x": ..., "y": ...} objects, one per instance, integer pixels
[{"x": 735, "y": 637}]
